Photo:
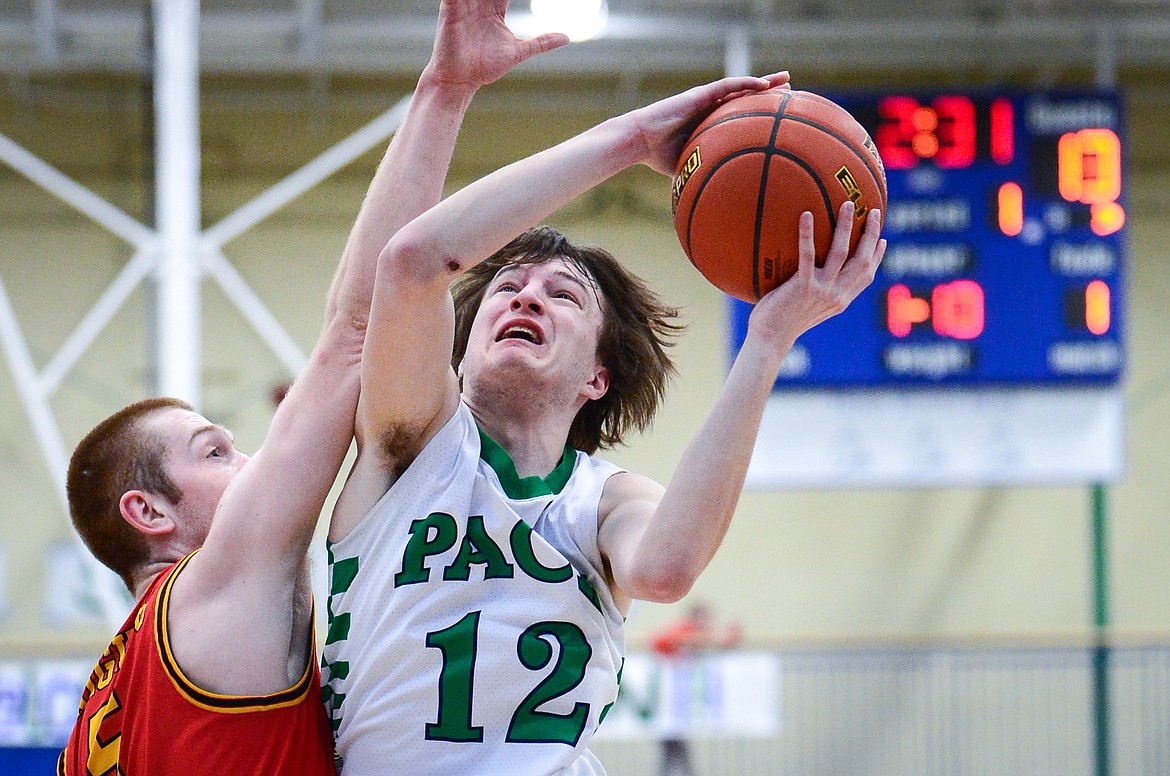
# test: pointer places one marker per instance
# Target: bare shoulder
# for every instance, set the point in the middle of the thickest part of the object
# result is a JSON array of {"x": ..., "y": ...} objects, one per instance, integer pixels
[
  {"x": 627, "y": 492},
  {"x": 267, "y": 621}
]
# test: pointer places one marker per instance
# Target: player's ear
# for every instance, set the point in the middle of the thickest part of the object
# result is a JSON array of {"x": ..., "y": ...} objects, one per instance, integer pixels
[
  {"x": 146, "y": 512},
  {"x": 599, "y": 384}
]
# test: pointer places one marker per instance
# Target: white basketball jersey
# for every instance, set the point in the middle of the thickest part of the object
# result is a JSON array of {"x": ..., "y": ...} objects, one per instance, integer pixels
[{"x": 470, "y": 628}]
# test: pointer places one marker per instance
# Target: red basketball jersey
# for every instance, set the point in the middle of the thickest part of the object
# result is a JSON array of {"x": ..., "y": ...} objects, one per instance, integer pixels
[{"x": 141, "y": 716}]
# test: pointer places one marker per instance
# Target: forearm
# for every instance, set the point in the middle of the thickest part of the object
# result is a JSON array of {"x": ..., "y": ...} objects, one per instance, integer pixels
[
  {"x": 473, "y": 223},
  {"x": 696, "y": 510},
  {"x": 691, "y": 518},
  {"x": 409, "y": 180},
  {"x": 288, "y": 481}
]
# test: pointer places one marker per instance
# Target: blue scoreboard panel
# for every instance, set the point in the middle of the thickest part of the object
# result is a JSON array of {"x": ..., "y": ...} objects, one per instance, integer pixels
[{"x": 1007, "y": 247}]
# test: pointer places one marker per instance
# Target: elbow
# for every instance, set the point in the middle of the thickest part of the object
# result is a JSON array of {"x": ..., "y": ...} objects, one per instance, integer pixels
[
  {"x": 401, "y": 257},
  {"x": 414, "y": 257},
  {"x": 663, "y": 585}
]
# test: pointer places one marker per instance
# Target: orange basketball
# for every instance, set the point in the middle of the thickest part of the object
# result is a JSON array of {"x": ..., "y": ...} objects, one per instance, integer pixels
[{"x": 748, "y": 172}]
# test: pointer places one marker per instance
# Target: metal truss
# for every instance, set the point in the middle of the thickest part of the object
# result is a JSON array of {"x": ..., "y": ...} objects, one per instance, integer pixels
[{"x": 176, "y": 253}]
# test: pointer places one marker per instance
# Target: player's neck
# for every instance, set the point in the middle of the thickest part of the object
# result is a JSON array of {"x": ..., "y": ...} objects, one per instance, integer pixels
[
  {"x": 145, "y": 575},
  {"x": 535, "y": 445}
]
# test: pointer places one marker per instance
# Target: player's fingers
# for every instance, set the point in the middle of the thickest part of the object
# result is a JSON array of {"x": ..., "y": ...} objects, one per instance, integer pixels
[
  {"x": 777, "y": 79},
  {"x": 734, "y": 84},
  {"x": 867, "y": 252},
  {"x": 839, "y": 249},
  {"x": 862, "y": 266},
  {"x": 879, "y": 253},
  {"x": 541, "y": 44},
  {"x": 733, "y": 95},
  {"x": 773, "y": 81},
  {"x": 808, "y": 250}
]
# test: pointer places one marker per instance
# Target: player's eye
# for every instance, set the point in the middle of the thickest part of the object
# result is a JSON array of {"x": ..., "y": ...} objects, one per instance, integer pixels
[
  {"x": 215, "y": 452},
  {"x": 509, "y": 287}
]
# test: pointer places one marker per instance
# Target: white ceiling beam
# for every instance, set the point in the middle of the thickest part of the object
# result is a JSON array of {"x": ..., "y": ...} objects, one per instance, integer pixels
[
  {"x": 176, "y": 105},
  {"x": 47, "y": 31},
  {"x": 301, "y": 38},
  {"x": 74, "y": 194},
  {"x": 312, "y": 20}
]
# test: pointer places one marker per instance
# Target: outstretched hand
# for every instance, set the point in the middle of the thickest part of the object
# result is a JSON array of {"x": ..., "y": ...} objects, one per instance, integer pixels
[
  {"x": 664, "y": 126},
  {"x": 474, "y": 46},
  {"x": 815, "y": 294}
]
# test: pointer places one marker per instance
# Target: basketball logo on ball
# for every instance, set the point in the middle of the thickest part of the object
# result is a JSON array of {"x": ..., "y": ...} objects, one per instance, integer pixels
[{"x": 748, "y": 172}]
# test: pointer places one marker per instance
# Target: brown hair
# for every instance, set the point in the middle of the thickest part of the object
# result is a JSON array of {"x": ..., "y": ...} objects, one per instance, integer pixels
[
  {"x": 117, "y": 456},
  {"x": 632, "y": 342}
]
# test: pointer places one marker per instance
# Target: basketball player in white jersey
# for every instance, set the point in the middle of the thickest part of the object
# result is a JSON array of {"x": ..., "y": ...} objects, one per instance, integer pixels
[{"x": 482, "y": 559}]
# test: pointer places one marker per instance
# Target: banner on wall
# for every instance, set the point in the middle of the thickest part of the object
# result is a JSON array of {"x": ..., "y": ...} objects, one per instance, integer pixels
[
  {"x": 728, "y": 694},
  {"x": 15, "y": 728},
  {"x": 38, "y": 700}
]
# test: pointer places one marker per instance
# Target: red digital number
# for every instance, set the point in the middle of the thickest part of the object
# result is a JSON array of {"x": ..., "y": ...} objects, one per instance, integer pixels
[
  {"x": 956, "y": 131},
  {"x": 1009, "y": 202},
  {"x": 1089, "y": 166},
  {"x": 954, "y": 309},
  {"x": 958, "y": 309},
  {"x": 903, "y": 310},
  {"x": 942, "y": 132},
  {"x": 1003, "y": 131},
  {"x": 895, "y": 134},
  {"x": 1097, "y": 312}
]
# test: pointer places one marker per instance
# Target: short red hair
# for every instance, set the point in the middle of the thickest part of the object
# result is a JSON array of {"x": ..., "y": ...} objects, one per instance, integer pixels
[{"x": 117, "y": 456}]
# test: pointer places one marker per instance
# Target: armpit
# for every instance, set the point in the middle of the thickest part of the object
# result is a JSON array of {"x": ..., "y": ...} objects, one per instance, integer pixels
[{"x": 400, "y": 445}]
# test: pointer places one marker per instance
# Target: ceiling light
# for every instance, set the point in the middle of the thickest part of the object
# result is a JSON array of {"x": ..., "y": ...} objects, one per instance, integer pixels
[{"x": 579, "y": 19}]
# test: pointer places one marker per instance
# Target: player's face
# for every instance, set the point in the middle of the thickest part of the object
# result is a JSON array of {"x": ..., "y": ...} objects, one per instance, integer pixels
[
  {"x": 542, "y": 322},
  {"x": 201, "y": 459}
]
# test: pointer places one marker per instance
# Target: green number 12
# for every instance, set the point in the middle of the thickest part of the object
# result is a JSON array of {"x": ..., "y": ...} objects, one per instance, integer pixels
[{"x": 459, "y": 643}]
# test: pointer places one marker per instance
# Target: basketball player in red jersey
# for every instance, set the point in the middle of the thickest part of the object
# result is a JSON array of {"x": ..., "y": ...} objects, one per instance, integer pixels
[{"x": 214, "y": 671}]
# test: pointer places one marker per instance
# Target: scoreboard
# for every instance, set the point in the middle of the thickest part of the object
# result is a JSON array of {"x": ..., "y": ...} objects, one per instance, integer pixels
[{"x": 1007, "y": 247}]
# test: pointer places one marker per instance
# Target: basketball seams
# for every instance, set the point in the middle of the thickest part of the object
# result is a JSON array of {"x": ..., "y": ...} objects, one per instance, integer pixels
[
  {"x": 752, "y": 114},
  {"x": 781, "y": 111},
  {"x": 702, "y": 184},
  {"x": 793, "y": 180},
  {"x": 769, "y": 151},
  {"x": 861, "y": 153},
  {"x": 826, "y": 197},
  {"x": 761, "y": 201}
]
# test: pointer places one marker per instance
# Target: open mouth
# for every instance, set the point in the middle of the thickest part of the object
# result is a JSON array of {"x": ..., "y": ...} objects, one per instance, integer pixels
[{"x": 523, "y": 332}]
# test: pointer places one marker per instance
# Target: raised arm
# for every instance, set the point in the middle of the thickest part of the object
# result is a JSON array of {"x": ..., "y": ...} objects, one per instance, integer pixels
[
  {"x": 244, "y": 584},
  {"x": 459, "y": 233},
  {"x": 473, "y": 47},
  {"x": 412, "y": 319},
  {"x": 657, "y": 542}
]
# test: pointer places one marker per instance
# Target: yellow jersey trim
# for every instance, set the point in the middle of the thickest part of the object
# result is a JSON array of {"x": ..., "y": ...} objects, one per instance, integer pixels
[{"x": 205, "y": 699}]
